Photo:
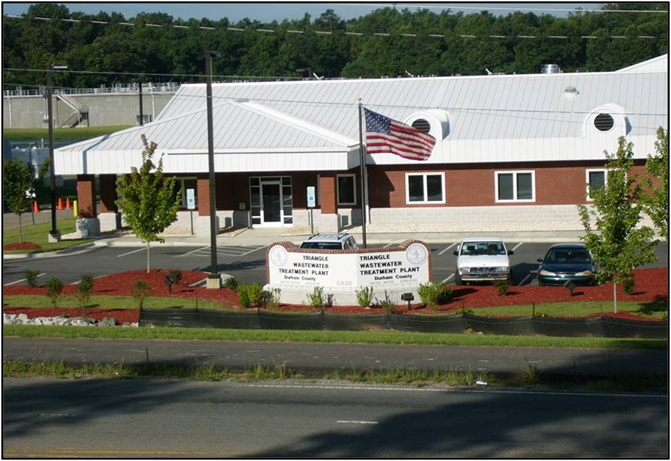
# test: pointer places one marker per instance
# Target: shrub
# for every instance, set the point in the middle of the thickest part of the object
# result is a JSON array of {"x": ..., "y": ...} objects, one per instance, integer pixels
[
  {"x": 273, "y": 298},
  {"x": 140, "y": 291},
  {"x": 31, "y": 277},
  {"x": 85, "y": 290},
  {"x": 432, "y": 295},
  {"x": 317, "y": 298},
  {"x": 387, "y": 304},
  {"x": 364, "y": 296},
  {"x": 243, "y": 295},
  {"x": 231, "y": 283},
  {"x": 174, "y": 276},
  {"x": 254, "y": 291},
  {"x": 502, "y": 287},
  {"x": 54, "y": 289},
  {"x": 628, "y": 284}
]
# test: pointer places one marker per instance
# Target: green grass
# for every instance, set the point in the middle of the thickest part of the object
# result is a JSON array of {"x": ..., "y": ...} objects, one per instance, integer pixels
[
  {"x": 357, "y": 337},
  {"x": 37, "y": 234},
  {"x": 31, "y": 134},
  {"x": 407, "y": 377},
  {"x": 110, "y": 302},
  {"x": 569, "y": 309}
]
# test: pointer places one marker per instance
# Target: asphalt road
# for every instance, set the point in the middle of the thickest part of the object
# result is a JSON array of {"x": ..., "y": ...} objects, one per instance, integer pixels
[
  {"x": 247, "y": 263},
  {"x": 89, "y": 418}
]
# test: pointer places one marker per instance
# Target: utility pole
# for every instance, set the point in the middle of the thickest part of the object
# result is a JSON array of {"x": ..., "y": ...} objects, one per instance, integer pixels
[
  {"x": 54, "y": 235},
  {"x": 214, "y": 279}
]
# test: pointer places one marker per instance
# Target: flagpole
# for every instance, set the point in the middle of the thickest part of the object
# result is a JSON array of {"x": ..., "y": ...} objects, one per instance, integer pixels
[{"x": 362, "y": 160}]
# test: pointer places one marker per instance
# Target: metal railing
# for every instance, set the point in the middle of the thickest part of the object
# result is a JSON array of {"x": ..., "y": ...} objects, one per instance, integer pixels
[{"x": 169, "y": 87}]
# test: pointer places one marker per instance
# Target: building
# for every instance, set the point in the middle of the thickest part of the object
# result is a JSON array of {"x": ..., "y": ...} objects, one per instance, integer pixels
[{"x": 512, "y": 151}]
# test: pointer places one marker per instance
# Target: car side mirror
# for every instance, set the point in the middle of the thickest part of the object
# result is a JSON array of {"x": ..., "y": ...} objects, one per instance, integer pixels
[
  {"x": 511, "y": 252},
  {"x": 456, "y": 253},
  {"x": 539, "y": 260}
]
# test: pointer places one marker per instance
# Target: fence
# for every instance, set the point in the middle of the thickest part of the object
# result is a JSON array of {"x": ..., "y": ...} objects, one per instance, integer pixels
[{"x": 608, "y": 327}]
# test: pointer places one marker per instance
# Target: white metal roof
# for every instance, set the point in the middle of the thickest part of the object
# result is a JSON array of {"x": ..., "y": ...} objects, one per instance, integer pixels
[
  {"x": 658, "y": 64},
  {"x": 283, "y": 126}
]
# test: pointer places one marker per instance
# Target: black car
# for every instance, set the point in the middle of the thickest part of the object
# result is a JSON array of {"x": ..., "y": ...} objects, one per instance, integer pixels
[{"x": 566, "y": 262}]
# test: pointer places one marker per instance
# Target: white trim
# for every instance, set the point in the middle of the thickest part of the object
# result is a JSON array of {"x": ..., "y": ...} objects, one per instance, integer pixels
[
  {"x": 349, "y": 175},
  {"x": 424, "y": 175},
  {"x": 515, "y": 173},
  {"x": 587, "y": 184}
]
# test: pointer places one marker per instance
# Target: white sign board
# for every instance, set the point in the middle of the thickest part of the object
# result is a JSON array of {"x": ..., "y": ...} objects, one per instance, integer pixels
[
  {"x": 191, "y": 199},
  {"x": 312, "y": 199},
  {"x": 384, "y": 268}
]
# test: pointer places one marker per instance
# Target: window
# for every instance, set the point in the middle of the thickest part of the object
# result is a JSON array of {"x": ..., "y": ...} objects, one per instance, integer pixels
[
  {"x": 346, "y": 184},
  {"x": 515, "y": 186},
  {"x": 424, "y": 188},
  {"x": 596, "y": 179},
  {"x": 181, "y": 185}
]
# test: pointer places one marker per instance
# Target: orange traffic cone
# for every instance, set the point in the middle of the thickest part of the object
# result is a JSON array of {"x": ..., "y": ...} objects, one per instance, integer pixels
[
  {"x": 36, "y": 209},
  {"x": 60, "y": 203},
  {"x": 67, "y": 203}
]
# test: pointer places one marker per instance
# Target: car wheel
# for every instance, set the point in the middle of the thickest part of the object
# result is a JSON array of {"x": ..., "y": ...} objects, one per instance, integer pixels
[
  {"x": 541, "y": 284},
  {"x": 457, "y": 279}
]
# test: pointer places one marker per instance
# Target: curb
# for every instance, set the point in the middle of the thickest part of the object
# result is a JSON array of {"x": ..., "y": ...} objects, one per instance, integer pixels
[{"x": 79, "y": 249}]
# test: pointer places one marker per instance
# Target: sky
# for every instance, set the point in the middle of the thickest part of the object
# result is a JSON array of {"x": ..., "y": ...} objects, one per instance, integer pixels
[{"x": 279, "y": 10}]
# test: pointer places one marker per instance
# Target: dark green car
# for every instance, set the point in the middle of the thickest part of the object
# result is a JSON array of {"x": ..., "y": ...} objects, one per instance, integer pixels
[{"x": 566, "y": 262}]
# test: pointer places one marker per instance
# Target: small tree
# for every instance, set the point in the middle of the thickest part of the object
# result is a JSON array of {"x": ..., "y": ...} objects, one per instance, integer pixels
[
  {"x": 147, "y": 199},
  {"x": 18, "y": 188},
  {"x": 657, "y": 201},
  {"x": 618, "y": 247}
]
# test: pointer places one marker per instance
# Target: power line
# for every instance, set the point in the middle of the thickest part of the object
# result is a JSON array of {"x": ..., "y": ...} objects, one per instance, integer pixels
[
  {"x": 345, "y": 33},
  {"x": 498, "y": 8}
]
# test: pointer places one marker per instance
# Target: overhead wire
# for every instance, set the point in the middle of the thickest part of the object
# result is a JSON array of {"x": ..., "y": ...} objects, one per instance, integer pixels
[{"x": 500, "y": 8}]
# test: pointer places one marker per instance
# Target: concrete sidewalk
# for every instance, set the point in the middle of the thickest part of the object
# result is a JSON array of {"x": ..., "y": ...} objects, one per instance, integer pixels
[{"x": 328, "y": 356}]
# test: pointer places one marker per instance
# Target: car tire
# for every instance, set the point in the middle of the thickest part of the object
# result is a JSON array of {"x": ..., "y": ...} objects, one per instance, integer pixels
[
  {"x": 541, "y": 284},
  {"x": 457, "y": 280}
]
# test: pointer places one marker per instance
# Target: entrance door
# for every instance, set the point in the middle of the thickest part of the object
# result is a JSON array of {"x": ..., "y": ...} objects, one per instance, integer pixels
[{"x": 272, "y": 203}]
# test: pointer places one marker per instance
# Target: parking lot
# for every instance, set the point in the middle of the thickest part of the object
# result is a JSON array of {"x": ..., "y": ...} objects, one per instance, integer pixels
[{"x": 247, "y": 263}]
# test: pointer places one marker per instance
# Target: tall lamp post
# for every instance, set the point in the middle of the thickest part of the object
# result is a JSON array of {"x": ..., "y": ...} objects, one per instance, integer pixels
[
  {"x": 54, "y": 235},
  {"x": 214, "y": 279}
]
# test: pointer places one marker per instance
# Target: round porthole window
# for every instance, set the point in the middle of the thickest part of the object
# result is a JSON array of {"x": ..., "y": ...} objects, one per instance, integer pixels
[
  {"x": 422, "y": 125},
  {"x": 604, "y": 122}
]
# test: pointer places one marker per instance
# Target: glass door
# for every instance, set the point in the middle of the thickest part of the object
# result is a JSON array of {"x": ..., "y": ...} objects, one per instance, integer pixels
[
  {"x": 271, "y": 201},
  {"x": 271, "y": 198}
]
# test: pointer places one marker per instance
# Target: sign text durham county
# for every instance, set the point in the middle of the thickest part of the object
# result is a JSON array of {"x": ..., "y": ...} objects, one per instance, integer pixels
[{"x": 349, "y": 270}]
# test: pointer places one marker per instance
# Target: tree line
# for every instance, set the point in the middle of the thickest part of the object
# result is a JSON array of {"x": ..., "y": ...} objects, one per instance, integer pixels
[{"x": 84, "y": 46}]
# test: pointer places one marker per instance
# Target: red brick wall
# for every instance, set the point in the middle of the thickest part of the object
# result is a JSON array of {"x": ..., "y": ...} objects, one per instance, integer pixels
[
  {"x": 327, "y": 191},
  {"x": 108, "y": 193},
  {"x": 86, "y": 195},
  {"x": 203, "y": 186},
  {"x": 473, "y": 185}
]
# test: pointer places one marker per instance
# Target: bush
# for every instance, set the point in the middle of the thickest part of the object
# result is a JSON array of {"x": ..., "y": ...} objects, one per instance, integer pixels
[
  {"x": 140, "y": 291},
  {"x": 231, "y": 283},
  {"x": 502, "y": 287},
  {"x": 628, "y": 284},
  {"x": 364, "y": 296},
  {"x": 54, "y": 289},
  {"x": 317, "y": 298},
  {"x": 387, "y": 304},
  {"x": 31, "y": 277},
  {"x": 444, "y": 292},
  {"x": 273, "y": 298},
  {"x": 250, "y": 295},
  {"x": 85, "y": 290},
  {"x": 174, "y": 276}
]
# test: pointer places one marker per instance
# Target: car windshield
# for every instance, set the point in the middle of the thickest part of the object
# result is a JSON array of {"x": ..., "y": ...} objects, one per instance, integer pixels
[
  {"x": 567, "y": 256},
  {"x": 322, "y": 245},
  {"x": 482, "y": 248}
]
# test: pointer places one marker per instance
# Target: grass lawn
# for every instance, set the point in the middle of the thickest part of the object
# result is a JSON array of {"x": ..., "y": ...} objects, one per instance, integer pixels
[
  {"x": 110, "y": 302},
  {"x": 16, "y": 134},
  {"x": 564, "y": 309},
  {"x": 37, "y": 234},
  {"x": 310, "y": 336}
]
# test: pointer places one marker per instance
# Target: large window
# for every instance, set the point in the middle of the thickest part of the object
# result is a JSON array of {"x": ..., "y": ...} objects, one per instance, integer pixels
[
  {"x": 424, "y": 188},
  {"x": 181, "y": 186},
  {"x": 346, "y": 184},
  {"x": 596, "y": 179},
  {"x": 515, "y": 186}
]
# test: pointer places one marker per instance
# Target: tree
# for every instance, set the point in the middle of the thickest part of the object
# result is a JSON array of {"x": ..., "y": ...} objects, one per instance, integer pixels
[
  {"x": 657, "y": 201},
  {"x": 147, "y": 199},
  {"x": 619, "y": 246},
  {"x": 19, "y": 184}
]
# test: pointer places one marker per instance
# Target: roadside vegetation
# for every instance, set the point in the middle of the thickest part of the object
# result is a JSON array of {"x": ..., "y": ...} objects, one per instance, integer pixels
[
  {"x": 312, "y": 336},
  {"x": 526, "y": 378},
  {"x": 37, "y": 234}
]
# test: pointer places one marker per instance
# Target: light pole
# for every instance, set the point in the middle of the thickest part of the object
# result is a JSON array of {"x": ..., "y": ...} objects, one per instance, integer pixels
[
  {"x": 54, "y": 235},
  {"x": 213, "y": 280}
]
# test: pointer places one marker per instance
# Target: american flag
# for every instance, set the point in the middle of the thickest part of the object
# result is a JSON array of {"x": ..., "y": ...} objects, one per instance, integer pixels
[{"x": 384, "y": 135}]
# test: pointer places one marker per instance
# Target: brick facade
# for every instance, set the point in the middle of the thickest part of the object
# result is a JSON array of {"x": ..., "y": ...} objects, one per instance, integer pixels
[
  {"x": 108, "y": 194},
  {"x": 86, "y": 195}
]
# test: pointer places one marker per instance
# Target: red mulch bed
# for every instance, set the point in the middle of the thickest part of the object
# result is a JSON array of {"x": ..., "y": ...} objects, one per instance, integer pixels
[
  {"x": 651, "y": 285},
  {"x": 21, "y": 246},
  {"x": 122, "y": 315}
]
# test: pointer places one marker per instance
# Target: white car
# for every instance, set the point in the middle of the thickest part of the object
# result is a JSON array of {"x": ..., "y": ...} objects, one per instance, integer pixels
[{"x": 483, "y": 259}]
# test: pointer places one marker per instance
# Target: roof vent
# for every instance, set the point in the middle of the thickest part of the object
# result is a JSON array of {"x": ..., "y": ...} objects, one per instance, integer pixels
[
  {"x": 604, "y": 122},
  {"x": 571, "y": 91},
  {"x": 422, "y": 125},
  {"x": 550, "y": 69}
]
